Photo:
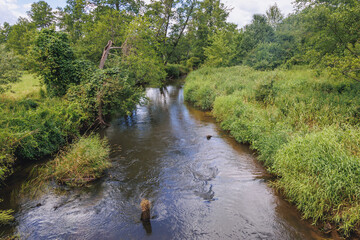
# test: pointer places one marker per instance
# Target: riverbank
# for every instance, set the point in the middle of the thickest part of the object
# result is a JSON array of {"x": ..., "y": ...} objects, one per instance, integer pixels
[{"x": 304, "y": 126}]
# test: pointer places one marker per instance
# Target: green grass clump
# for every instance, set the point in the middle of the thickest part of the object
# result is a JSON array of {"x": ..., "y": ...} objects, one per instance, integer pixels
[
  {"x": 304, "y": 126},
  {"x": 5, "y": 216},
  {"x": 82, "y": 162}
]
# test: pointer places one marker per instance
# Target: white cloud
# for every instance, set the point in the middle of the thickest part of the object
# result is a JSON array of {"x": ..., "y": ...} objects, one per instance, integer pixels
[
  {"x": 10, "y": 10},
  {"x": 243, "y": 10}
]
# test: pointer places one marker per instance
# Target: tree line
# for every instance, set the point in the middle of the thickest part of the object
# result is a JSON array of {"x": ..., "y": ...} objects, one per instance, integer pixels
[{"x": 154, "y": 37}]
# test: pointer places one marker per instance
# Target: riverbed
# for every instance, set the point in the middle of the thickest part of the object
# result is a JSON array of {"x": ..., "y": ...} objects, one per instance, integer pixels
[{"x": 201, "y": 184}]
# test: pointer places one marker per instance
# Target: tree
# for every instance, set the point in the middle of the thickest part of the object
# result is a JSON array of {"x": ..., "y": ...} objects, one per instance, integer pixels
[
  {"x": 130, "y": 6},
  {"x": 171, "y": 19},
  {"x": 53, "y": 60},
  {"x": 274, "y": 16},
  {"x": 9, "y": 68},
  {"x": 332, "y": 30},
  {"x": 140, "y": 53},
  {"x": 109, "y": 24},
  {"x": 73, "y": 17},
  {"x": 220, "y": 52},
  {"x": 209, "y": 17},
  {"x": 4, "y": 32},
  {"x": 258, "y": 31},
  {"x": 41, "y": 14},
  {"x": 21, "y": 36},
  {"x": 106, "y": 92}
]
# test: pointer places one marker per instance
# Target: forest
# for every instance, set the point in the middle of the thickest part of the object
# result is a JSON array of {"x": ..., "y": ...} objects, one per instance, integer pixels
[{"x": 288, "y": 85}]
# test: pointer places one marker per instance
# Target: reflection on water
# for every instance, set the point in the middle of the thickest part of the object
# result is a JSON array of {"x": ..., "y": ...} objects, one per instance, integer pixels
[{"x": 199, "y": 188}]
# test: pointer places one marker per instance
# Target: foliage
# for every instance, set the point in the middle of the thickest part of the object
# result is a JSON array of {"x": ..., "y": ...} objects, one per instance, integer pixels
[
  {"x": 4, "y": 32},
  {"x": 5, "y": 216},
  {"x": 303, "y": 126},
  {"x": 219, "y": 53},
  {"x": 274, "y": 16},
  {"x": 107, "y": 91},
  {"x": 266, "y": 56},
  {"x": 41, "y": 14},
  {"x": 21, "y": 36},
  {"x": 140, "y": 53},
  {"x": 9, "y": 68},
  {"x": 84, "y": 161},
  {"x": 53, "y": 61},
  {"x": 333, "y": 35},
  {"x": 173, "y": 70}
]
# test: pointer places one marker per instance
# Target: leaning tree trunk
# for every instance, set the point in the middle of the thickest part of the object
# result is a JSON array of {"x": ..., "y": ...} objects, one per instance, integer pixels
[{"x": 99, "y": 97}]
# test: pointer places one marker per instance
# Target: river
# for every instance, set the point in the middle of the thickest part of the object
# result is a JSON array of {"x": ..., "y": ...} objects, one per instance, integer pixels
[{"x": 199, "y": 188}]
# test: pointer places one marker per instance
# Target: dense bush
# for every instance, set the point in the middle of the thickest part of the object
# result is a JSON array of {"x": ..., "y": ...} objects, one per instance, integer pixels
[
  {"x": 53, "y": 61},
  {"x": 174, "y": 71},
  {"x": 305, "y": 128}
]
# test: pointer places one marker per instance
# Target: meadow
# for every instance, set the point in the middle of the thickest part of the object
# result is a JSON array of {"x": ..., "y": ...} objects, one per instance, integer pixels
[{"x": 304, "y": 126}]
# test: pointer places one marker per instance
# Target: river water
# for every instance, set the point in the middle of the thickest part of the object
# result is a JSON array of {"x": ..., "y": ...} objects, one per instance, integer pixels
[{"x": 199, "y": 188}]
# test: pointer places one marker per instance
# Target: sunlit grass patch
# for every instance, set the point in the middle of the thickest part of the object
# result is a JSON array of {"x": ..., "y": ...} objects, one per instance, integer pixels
[{"x": 29, "y": 85}]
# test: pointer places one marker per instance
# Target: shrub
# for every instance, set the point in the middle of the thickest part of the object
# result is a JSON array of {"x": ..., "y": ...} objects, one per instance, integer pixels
[
  {"x": 173, "y": 70},
  {"x": 53, "y": 60}
]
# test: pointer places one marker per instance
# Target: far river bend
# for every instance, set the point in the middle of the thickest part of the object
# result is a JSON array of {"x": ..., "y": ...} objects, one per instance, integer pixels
[{"x": 199, "y": 188}]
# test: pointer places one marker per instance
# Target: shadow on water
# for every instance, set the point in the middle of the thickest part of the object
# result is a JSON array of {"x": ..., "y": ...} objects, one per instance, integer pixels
[{"x": 199, "y": 188}]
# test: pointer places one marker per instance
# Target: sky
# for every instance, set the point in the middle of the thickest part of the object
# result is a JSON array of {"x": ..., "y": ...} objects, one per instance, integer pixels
[{"x": 241, "y": 14}]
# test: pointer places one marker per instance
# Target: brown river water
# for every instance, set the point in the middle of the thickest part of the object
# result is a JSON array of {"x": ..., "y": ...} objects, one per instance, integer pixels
[{"x": 198, "y": 188}]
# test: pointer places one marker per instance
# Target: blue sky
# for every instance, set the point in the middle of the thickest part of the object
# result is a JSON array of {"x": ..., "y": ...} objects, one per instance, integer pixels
[{"x": 241, "y": 14}]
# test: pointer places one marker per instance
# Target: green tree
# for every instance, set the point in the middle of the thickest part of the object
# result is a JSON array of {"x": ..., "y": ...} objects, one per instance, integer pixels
[
  {"x": 140, "y": 53},
  {"x": 53, "y": 61},
  {"x": 256, "y": 32},
  {"x": 274, "y": 16},
  {"x": 332, "y": 30},
  {"x": 41, "y": 14},
  {"x": 9, "y": 68},
  {"x": 4, "y": 32},
  {"x": 107, "y": 92},
  {"x": 73, "y": 17},
  {"x": 109, "y": 24},
  {"x": 21, "y": 36},
  {"x": 220, "y": 52},
  {"x": 209, "y": 17}
]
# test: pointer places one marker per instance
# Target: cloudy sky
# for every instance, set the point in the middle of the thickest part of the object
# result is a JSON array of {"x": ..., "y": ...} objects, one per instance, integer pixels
[{"x": 241, "y": 14}]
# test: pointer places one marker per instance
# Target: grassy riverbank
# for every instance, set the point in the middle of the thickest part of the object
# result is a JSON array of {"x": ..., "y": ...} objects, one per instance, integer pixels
[{"x": 304, "y": 126}]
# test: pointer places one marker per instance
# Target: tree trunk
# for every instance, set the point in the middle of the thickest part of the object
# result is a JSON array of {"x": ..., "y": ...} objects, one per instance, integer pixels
[{"x": 105, "y": 54}]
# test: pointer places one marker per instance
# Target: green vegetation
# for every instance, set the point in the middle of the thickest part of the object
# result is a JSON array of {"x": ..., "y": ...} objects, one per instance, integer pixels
[
  {"x": 303, "y": 126},
  {"x": 5, "y": 216},
  {"x": 27, "y": 86},
  {"x": 303, "y": 123},
  {"x": 84, "y": 161}
]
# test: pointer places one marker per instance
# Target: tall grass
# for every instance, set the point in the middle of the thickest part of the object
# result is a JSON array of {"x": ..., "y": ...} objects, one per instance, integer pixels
[
  {"x": 82, "y": 162},
  {"x": 305, "y": 127}
]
